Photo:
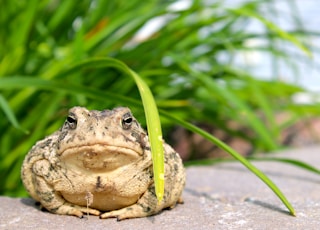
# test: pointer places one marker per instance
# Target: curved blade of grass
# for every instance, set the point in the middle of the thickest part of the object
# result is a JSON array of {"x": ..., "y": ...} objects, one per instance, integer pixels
[
  {"x": 10, "y": 115},
  {"x": 155, "y": 134},
  {"x": 236, "y": 155}
]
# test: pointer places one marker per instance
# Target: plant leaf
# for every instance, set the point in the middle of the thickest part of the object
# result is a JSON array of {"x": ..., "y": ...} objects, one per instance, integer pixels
[{"x": 10, "y": 115}]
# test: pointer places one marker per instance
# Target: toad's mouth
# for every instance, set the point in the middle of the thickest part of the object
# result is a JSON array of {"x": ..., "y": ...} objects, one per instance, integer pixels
[{"x": 99, "y": 156}]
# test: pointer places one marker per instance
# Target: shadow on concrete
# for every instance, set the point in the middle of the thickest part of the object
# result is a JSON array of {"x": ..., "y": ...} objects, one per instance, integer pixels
[
  {"x": 268, "y": 206},
  {"x": 249, "y": 200},
  {"x": 32, "y": 203},
  {"x": 29, "y": 202}
]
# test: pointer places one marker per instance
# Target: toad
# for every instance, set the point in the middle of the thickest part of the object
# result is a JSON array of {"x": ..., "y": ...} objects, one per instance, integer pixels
[{"x": 99, "y": 162}]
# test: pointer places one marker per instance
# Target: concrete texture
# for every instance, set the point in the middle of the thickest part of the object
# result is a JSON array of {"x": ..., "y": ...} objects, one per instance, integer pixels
[{"x": 222, "y": 196}]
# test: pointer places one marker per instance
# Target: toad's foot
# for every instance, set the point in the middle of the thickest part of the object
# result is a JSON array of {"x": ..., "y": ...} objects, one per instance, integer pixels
[
  {"x": 133, "y": 211},
  {"x": 74, "y": 210}
]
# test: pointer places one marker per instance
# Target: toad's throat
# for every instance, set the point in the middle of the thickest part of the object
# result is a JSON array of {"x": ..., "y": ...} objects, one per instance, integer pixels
[{"x": 99, "y": 157}]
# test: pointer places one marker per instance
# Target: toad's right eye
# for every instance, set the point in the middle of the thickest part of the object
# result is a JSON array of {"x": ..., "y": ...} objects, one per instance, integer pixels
[
  {"x": 71, "y": 122},
  {"x": 126, "y": 121}
]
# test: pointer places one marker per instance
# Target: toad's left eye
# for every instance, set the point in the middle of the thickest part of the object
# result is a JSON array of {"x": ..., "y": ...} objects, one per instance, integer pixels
[
  {"x": 71, "y": 121},
  {"x": 126, "y": 121}
]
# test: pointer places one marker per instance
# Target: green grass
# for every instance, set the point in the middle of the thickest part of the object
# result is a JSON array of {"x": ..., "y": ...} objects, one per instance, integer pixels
[{"x": 58, "y": 54}]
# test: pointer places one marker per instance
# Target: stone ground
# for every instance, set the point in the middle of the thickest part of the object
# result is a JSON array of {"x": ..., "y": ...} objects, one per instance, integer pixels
[{"x": 221, "y": 196}]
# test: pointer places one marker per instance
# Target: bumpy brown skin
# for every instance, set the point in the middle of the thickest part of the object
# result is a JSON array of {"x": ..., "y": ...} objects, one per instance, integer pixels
[{"x": 105, "y": 155}]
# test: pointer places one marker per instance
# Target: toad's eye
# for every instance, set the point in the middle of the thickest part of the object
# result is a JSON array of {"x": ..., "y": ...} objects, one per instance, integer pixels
[
  {"x": 71, "y": 122},
  {"x": 126, "y": 121}
]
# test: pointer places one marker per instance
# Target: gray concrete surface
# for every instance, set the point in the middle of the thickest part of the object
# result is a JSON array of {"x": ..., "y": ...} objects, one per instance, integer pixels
[{"x": 222, "y": 196}]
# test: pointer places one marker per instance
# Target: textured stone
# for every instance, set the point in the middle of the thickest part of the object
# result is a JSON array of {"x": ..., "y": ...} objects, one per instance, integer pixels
[{"x": 221, "y": 196}]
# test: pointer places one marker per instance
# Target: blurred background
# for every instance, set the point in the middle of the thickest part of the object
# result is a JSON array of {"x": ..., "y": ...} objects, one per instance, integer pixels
[{"x": 246, "y": 71}]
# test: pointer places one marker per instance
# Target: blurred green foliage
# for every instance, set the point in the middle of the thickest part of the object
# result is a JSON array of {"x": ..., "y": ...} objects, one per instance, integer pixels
[{"x": 181, "y": 61}]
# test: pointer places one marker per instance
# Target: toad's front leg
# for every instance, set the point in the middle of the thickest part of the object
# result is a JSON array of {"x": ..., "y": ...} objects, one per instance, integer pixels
[
  {"x": 43, "y": 177},
  {"x": 55, "y": 203}
]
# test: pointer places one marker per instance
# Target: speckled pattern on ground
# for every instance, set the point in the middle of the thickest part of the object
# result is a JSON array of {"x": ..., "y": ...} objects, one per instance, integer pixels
[{"x": 222, "y": 196}]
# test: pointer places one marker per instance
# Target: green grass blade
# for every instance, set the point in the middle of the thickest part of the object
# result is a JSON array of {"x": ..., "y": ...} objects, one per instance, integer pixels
[
  {"x": 10, "y": 115},
  {"x": 236, "y": 155},
  {"x": 155, "y": 134}
]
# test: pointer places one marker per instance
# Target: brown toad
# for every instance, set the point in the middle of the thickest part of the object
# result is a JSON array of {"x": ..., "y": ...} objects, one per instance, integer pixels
[{"x": 105, "y": 155}]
